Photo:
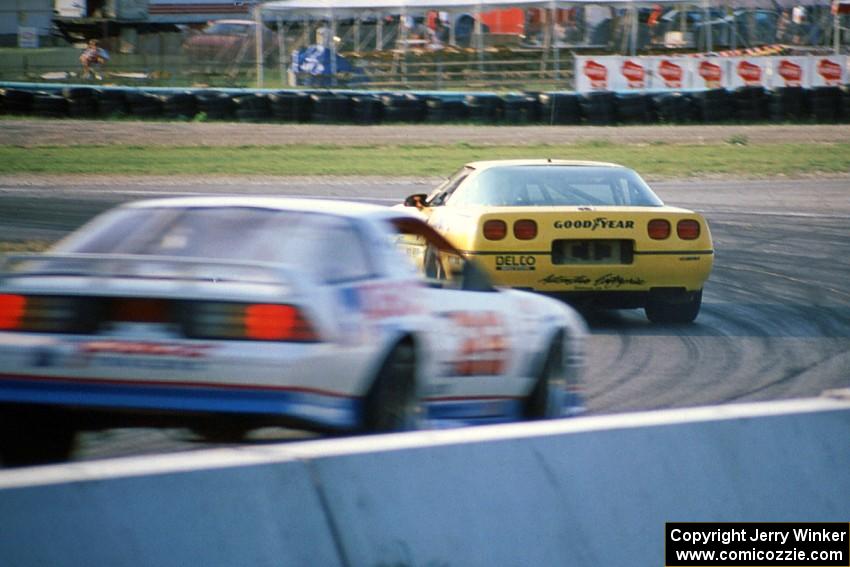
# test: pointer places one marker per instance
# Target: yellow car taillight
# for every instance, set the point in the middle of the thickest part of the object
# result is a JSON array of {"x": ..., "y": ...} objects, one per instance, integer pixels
[
  {"x": 495, "y": 229},
  {"x": 525, "y": 229},
  {"x": 658, "y": 229},
  {"x": 688, "y": 229}
]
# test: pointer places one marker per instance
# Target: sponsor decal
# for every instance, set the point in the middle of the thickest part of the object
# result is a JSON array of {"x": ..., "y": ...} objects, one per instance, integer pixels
[
  {"x": 597, "y": 73},
  {"x": 671, "y": 73},
  {"x": 516, "y": 263},
  {"x": 634, "y": 73},
  {"x": 386, "y": 300},
  {"x": 483, "y": 344},
  {"x": 608, "y": 281},
  {"x": 830, "y": 71},
  {"x": 598, "y": 222},
  {"x": 140, "y": 348},
  {"x": 790, "y": 72},
  {"x": 712, "y": 74},
  {"x": 750, "y": 73}
]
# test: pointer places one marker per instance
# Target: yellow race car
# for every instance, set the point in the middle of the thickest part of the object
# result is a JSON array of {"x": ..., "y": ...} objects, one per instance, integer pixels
[{"x": 586, "y": 232}]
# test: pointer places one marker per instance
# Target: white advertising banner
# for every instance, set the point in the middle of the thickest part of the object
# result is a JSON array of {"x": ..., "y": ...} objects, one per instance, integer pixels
[
  {"x": 747, "y": 72},
  {"x": 672, "y": 73},
  {"x": 828, "y": 71},
  {"x": 635, "y": 74},
  {"x": 789, "y": 72}
]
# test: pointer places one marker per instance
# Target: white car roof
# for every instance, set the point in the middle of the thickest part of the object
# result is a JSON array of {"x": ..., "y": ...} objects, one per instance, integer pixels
[
  {"x": 327, "y": 206},
  {"x": 480, "y": 165}
]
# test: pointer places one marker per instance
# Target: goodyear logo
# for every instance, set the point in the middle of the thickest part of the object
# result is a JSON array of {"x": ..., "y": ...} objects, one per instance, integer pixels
[{"x": 598, "y": 222}]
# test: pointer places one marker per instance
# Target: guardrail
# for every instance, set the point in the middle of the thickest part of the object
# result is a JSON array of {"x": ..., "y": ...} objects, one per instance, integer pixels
[{"x": 584, "y": 491}]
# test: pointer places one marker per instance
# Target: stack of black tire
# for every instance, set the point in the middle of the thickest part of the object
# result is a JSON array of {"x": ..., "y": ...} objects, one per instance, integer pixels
[
  {"x": 788, "y": 103},
  {"x": 179, "y": 106},
  {"x": 143, "y": 104},
  {"x": 288, "y": 106},
  {"x": 674, "y": 108},
  {"x": 598, "y": 108},
  {"x": 82, "y": 101},
  {"x": 253, "y": 107},
  {"x": 49, "y": 105},
  {"x": 714, "y": 105},
  {"x": 559, "y": 108},
  {"x": 446, "y": 110},
  {"x": 825, "y": 104},
  {"x": 215, "y": 105},
  {"x": 18, "y": 101},
  {"x": 635, "y": 108},
  {"x": 403, "y": 107},
  {"x": 751, "y": 104},
  {"x": 331, "y": 108},
  {"x": 367, "y": 109},
  {"x": 484, "y": 108},
  {"x": 111, "y": 103},
  {"x": 520, "y": 109}
]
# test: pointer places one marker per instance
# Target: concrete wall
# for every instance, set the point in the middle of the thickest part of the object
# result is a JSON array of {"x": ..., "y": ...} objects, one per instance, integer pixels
[{"x": 588, "y": 491}]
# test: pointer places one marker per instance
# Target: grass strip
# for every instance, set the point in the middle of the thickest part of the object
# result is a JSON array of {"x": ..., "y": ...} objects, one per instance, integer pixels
[{"x": 656, "y": 160}]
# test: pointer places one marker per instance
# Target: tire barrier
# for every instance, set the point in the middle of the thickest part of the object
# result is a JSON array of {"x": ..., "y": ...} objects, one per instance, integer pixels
[
  {"x": 603, "y": 108},
  {"x": 825, "y": 103},
  {"x": 586, "y": 491},
  {"x": 559, "y": 108},
  {"x": 367, "y": 109},
  {"x": 290, "y": 106},
  {"x": 635, "y": 109},
  {"x": 331, "y": 108},
  {"x": 598, "y": 108},
  {"x": 446, "y": 110},
  {"x": 253, "y": 107},
  {"x": 520, "y": 109},
  {"x": 787, "y": 104},
  {"x": 403, "y": 108},
  {"x": 750, "y": 104},
  {"x": 82, "y": 102},
  {"x": 674, "y": 108},
  {"x": 179, "y": 106},
  {"x": 714, "y": 105},
  {"x": 484, "y": 108}
]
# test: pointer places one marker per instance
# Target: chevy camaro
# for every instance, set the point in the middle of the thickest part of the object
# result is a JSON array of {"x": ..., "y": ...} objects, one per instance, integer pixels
[
  {"x": 224, "y": 314},
  {"x": 587, "y": 232}
]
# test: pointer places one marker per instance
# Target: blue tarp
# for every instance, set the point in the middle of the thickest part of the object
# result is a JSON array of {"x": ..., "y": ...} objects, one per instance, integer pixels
[{"x": 312, "y": 67}]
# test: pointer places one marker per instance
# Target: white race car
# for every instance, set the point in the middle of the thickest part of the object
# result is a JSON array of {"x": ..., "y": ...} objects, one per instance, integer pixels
[{"x": 225, "y": 314}]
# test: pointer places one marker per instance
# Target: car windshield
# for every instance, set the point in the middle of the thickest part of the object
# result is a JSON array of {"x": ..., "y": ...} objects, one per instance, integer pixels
[
  {"x": 327, "y": 246},
  {"x": 555, "y": 185}
]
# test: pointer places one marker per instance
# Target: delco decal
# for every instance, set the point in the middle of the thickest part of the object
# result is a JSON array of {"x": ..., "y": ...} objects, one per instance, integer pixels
[
  {"x": 483, "y": 345},
  {"x": 634, "y": 73},
  {"x": 597, "y": 73},
  {"x": 750, "y": 73},
  {"x": 830, "y": 71},
  {"x": 140, "y": 354},
  {"x": 515, "y": 263},
  {"x": 790, "y": 72},
  {"x": 671, "y": 73},
  {"x": 712, "y": 74},
  {"x": 599, "y": 222}
]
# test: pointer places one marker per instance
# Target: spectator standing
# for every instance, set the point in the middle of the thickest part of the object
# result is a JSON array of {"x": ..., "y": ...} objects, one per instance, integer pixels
[{"x": 92, "y": 58}]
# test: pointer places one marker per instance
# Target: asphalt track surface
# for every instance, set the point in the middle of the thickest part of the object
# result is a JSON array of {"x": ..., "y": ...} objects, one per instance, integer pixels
[{"x": 775, "y": 322}]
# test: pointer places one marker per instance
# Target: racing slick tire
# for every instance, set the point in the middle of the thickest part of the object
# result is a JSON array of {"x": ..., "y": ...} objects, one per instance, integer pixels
[
  {"x": 392, "y": 403},
  {"x": 666, "y": 311},
  {"x": 546, "y": 399},
  {"x": 34, "y": 435}
]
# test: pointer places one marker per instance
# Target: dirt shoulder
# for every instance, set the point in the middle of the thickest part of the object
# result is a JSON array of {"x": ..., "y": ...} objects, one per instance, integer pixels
[{"x": 85, "y": 132}]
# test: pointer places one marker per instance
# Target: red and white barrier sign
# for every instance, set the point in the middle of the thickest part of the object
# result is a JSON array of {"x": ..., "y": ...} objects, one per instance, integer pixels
[{"x": 630, "y": 74}]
